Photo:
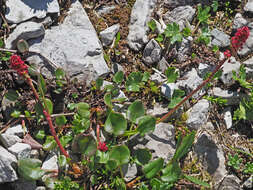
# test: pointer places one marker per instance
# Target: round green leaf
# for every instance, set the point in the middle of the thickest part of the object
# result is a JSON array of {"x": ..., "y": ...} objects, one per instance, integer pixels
[
  {"x": 146, "y": 124},
  {"x": 118, "y": 77},
  {"x": 135, "y": 110},
  {"x": 11, "y": 95},
  {"x": 115, "y": 123},
  {"x": 29, "y": 169},
  {"x": 111, "y": 165},
  {"x": 83, "y": 109},
  {"x": 120, "y": 154},
  {"x": 49, "y": 144},
  {"x": 61, "y": 120},
  {"x": 143, "y": 156},
  {"x": 152, "y": 168},
  {"x": 22, "y": 46},
  {"x": 99, "y": 83},
  {"x": 84, "y": 144},
  {"x": 40, "y": 134},
  {"x": 108, "y": 99},
  {"x": 49, "y": 104},
  {"x": 62, "y": 161}
]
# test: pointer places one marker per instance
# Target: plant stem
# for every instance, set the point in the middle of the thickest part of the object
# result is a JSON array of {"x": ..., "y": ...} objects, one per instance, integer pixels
[{"x": 193, "y": 92}]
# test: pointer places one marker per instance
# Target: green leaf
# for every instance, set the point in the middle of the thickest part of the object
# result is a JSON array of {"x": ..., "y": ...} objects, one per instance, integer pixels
[
  {"x": 146, "y": 76},
  {"x": 133, "y": 82},
  {"x": 172, "y": 30},
  {"x": 42, "y": 85},
  {"x": 60, "y": 120},
  {"x": 143, "y": 156},
  {"x": 152, "y": 25},
  {"x": 118, "y": 77},
  {"x": 40, "y": 135},
  {"x": 49, "y": 105},
  {"x": 186, "y": 32},
  {"x": 39, "y": 110},
  {"x": 29, "y": 169},
  {"x": 62, "y": 161},
  {"x": 171, "y": 173},
  {"x": 120, "y": 154},
  {"x": 176, "y": 38},
  {"x": 71, "y": 106},
  {"x": 146, "y": 124},
  {"x": 84, "y": 144},
  {"x": 66, "y": 139},
  {"x": 115, "y": 123},
  {"x": 184, "y": 146},
  {"x": 99, "y": 83},
  {"x": 215, "y": 6},
  {"x": 103, "y": 157},
  {"x": 59, "y": 74},
  {"x": 108, "y": 100},
  {"x": 50, "y": 143},
  {"x": 135, "y": 110},
  {"x": 111, "y": 165},
  {"x": 27, "y": 114},
  {"x": 203, "y": 14},
  {"x": 22, "y": 46},
  {"x": 83, "y": 109},
  {"x": 159, "y": 38},
  {"x": 171, "y": 74},
  {"x": 117, "y": 39},
  {"x": 152, "y": 168},
  {"x": 174, "y": 101},
  {"x": 11, "y": 95},
  {"x": 15, "y": 114},
  {"x": 197, "y": 181}
]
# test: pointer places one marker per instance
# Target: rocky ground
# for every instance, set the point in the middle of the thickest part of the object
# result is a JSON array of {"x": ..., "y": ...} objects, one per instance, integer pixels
[{"x": 95, "y": 41}]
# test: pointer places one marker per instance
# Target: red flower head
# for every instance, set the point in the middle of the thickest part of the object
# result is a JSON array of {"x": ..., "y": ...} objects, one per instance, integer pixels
[
  {"x": 240, "y": 37},
  {"x": 102, "y": 147},
  {"x": 227, "y": 53},
  {"x": 18, "y": 65}
]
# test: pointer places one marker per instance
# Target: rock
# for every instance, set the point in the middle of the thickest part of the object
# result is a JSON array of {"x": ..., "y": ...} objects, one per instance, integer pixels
[
  {"x": 157, "y": 78},
  {"x": 229, "y": 182},
  {"x": 20, "y": 150},
  {"x": 19, "y": 11},
  {"x": 248, "y": 184},
  {"x": 73, "y": 45},
  {"x": 15, "y": 130},
  {"x": 198, "y": 114},
  {"x": 203, "y": 69},
  {"x": 158, "y": 110},
  {"x": 167, "y": 89},
  {"x": 208, "y": 126},
  {"x": 152, "y": 52},
  {"x": 7, "y": 161},
  {"x": 228, "y": 117},
  {"x": 220, "y": 39},
  {"x": 138, "y": 28},
  {"x": 51, "y": 162},
  {"x": 129, "y": 171},
  {"x": 25, "y": 31},
  {"x": 9, "y": 140},
  {"x": 232, "y": 97},
  {"x": 185, "y": 49},
  {"x": 105, "y": 9},
  {"x": 191, "y": 82},
  {"x": 34, "y": 154},
  {"x": 229, "y": 66},
  {"x": 40, "y": 188},
  {"x": 161, "y": 142},
  {"x": 22, "y": 184},
  {"x": 249, "y": 68},
  {"x": 239, "y": 21},
  {"x": 211, "y": 156},
  {"x": 180, "y": 15},
  {"x": 249, "y": 6},
  {"x": 7, "y": 107},
  {"x": 163, "y": 65},
  {"x": 108, "y": 34}
]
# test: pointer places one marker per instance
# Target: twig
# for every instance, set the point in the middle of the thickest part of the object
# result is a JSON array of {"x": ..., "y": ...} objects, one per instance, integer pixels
[{"x": 53, "y": 115}]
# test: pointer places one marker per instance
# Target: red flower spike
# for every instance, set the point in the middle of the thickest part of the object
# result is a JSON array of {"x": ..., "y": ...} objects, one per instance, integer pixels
[
  {"x": 240, "y": 37},
  {"x": 17, "y": 64},
  {"x": 102, "y": 147},
  {"x": 227, "y": 53}
]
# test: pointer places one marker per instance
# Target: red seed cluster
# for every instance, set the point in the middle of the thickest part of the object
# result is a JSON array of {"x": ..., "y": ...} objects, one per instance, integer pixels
[
  {"x": 18, "y": 65},
  {"x": 227, "y": 53},
  {"x": 102, "y": 147},
  {"x": 240, "y": 37}
]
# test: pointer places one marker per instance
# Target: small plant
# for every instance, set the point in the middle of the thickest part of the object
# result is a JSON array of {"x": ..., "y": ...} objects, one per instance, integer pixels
[
  {"x": 248, "y": 168},
  {"x": 216, "y": 100},
  {"x": 234, "y": 161},
  {"x": 241, "y": 78}
]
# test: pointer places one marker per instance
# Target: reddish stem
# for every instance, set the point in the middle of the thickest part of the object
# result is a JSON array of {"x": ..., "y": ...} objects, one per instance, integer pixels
[
  {"x": 98, "y": 133},
  {"x": 193, "y": 92}
]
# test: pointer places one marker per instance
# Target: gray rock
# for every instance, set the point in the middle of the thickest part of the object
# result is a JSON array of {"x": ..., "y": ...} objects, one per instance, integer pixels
[
  {"x": 138, "y": 28},
  {"x": 108, "y": 34},
  {"x": 232, "y": 97},
  {"x": 220, "y": 39},
  {"x": 229, "y": 182},
  {"x": 163, "y": 65},
  {"x": 7, "y": 107},
  {"x": 248, "y": 183},
  {"x": 19, "y": 11},
  {"x": 180, "y": 15},
  {"x": 191, "y": 82},
  {"x": 229, "y": 66},
  {"x": 228, "y": 117},
  {"x": 105, "y": 9},
  {"x": 51, "y": 162},
  {"x": 40, "y": 188},
  {"x": 22, "y": 184},
  {"x": 7, "y": 162},
  {"x": 20, "y": 150},
  {"x": 203, "y": 69},
  {"x": 152, "y": 52},
  {"x": 157, "y": 78},
  {"x": 73, "y": 45},
  {"x": 158, "y": 110},
  {"x": 25, "y": 31},
  {"x": 34, "y": 154},
  {"x": 167, "y": 89},
  {"x": 15, "y": 130},
  {"x": 249, "y": 68},
  {"x": 9, "y": 140},
  {"x": 198, "y": 114},
  {"x": 211, "y": 156},
  {"x": 239, "y": 21},
  {"x": 249, "y": 6},
  {"x": 129, "y": 171},
  {"x": 0, "y": 22},
  {"x": 184, "y": 49}
]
